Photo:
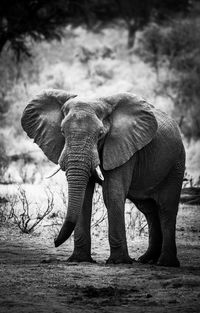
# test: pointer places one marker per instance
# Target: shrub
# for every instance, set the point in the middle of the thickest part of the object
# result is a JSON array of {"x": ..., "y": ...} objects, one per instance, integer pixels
[{"x": 20, "y": 211}]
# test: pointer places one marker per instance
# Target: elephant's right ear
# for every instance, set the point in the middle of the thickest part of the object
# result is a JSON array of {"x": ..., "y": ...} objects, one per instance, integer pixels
[{"x": 41, "y": 121}]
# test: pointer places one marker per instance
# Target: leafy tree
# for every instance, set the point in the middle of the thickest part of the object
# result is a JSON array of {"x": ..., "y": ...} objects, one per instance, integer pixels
[
  {"x": 23, "y": 20},
  {"x": 31, "y": 19},
  {"x": 175, "y": 47},
  {"x": 138, "y": 14}
]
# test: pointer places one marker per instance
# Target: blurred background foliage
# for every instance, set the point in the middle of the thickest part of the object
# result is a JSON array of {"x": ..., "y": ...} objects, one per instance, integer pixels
[
  {"x": 148, "y": 47},
  {"x": 44, "y": 19}
]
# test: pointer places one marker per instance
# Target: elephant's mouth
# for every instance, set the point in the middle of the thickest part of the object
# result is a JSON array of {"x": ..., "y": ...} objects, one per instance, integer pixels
[{"x": 97, "y": 171}]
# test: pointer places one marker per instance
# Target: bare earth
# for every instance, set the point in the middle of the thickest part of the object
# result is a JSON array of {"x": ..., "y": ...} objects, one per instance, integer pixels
[{"x": 35, "y": 277}]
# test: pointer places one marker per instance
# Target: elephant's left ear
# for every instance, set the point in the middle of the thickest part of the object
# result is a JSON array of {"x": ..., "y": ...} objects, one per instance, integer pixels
[{"x": 133, "y": 125}]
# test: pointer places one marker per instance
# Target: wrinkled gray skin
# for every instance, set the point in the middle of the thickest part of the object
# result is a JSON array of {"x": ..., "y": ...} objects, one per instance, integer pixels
[{"x": 141, "y": 156}]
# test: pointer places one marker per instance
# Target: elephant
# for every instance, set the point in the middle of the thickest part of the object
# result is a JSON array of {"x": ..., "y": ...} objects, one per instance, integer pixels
[{"x": 134, "y": 150}]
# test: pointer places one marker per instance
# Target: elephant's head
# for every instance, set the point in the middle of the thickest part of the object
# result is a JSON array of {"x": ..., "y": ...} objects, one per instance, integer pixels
[{"x": 72, "y": 131}]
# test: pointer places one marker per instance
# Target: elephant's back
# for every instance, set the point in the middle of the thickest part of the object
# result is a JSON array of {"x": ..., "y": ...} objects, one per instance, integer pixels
[{"x": 168, "y": 129}]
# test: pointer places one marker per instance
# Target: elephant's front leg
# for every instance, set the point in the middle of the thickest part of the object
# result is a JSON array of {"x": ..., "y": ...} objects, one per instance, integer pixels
[
  {"x": 114, "y": 193},
  {"x": 82, "y": 237}
]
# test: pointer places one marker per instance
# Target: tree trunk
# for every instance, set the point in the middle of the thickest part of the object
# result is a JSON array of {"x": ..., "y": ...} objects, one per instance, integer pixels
[
  {"x": 3, "y": 41},
  {"x": 131, "y": 34}
]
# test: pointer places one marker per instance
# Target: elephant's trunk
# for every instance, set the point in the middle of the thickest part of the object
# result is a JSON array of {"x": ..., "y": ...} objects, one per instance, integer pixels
[{"x": 77, "y": 176}]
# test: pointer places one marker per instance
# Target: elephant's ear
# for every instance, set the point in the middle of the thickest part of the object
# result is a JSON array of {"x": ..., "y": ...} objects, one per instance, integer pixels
[
  {"x": 133, "y": 125},
  {"x": 41, "y": 121}
]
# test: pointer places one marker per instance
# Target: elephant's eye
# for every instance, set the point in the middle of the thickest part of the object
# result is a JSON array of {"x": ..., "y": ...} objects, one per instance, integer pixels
[{"x": 101, "y": 132}]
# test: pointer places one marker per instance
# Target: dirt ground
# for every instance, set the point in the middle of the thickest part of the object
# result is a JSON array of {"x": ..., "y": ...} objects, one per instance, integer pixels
[{"x": 35, "y": 277}]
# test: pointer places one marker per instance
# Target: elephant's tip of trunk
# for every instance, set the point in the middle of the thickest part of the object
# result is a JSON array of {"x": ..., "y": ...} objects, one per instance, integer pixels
[
  {"x": 64, "y": 233},
  {"x": 56, "y": 243}
]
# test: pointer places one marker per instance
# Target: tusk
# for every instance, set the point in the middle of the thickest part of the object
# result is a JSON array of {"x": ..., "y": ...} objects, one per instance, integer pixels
[
  {"x": 54, "y": 172},
  {"x": 99, "y": 173}
]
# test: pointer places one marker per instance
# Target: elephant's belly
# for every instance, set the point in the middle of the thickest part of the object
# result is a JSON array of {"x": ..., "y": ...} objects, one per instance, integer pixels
[{"x": 146, "y": 187}]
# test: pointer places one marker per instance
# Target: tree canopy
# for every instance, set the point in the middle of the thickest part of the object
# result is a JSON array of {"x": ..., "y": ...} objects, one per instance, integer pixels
[
  {"x": 36, "y": 19},
  {"x": 23, "y": 20}
]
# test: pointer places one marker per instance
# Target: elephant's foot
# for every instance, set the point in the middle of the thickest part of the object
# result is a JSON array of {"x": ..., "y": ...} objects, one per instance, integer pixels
[
  {"x": 149, "y": 257},
  {"x": 168, "y": 260},
  {"x": 120, "y": 260},
  {"x": 119, "y": 256},
  {"x": 80, "y": 257}
]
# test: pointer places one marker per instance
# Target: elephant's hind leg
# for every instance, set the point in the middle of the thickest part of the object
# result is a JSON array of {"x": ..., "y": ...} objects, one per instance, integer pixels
[
  {"x": 168, "y": 207},
  {"x": 168, "y": 257},
  {"x": 82, "y": 238},
  {"x": 150, "y": 209}
]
